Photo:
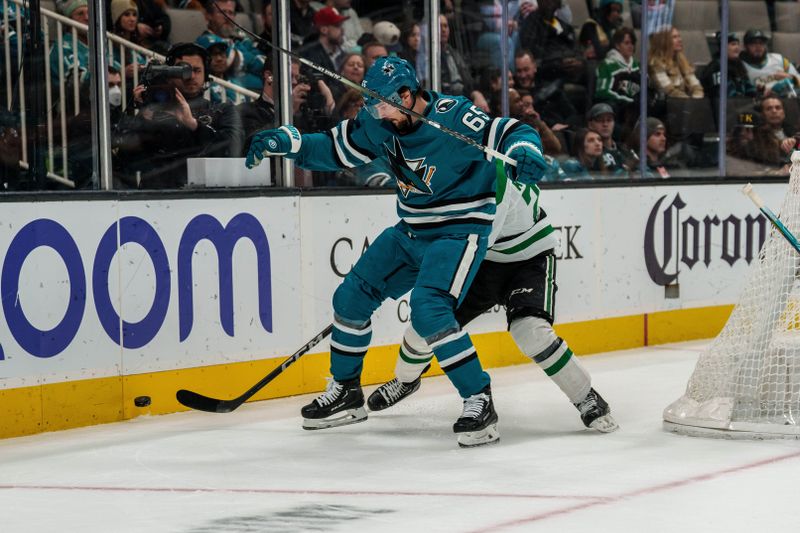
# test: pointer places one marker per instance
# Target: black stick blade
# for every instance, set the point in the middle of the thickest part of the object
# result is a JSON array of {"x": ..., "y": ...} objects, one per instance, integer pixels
[{"x": 193, "y": 400}]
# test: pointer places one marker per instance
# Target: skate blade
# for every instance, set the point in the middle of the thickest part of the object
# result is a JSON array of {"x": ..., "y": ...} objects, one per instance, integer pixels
[
  {"x": 345, "y": 418},
  {"x": 604, "y": 424},
  {"x": 487, "y": 435}
]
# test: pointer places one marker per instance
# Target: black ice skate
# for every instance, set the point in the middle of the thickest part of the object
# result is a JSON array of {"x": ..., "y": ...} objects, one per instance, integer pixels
[
  {"x": 596, "y": 414},
  {"x": 342, "y": 403},
  {"x": 390, "y": 393},
  {"x": 478, "y": 422}
]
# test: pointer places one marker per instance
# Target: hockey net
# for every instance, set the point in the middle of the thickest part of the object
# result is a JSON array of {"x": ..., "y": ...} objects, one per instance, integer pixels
[{"x": 747, "y": 383}]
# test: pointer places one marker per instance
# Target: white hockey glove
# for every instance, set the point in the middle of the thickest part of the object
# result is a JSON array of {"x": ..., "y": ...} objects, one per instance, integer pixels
[
  {"x": 285, "y": 141},
  {"x": 531, "y": 165}
]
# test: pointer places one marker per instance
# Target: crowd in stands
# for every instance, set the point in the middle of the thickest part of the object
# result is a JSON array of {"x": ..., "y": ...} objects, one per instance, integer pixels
[{"x": 578, "y": 82}]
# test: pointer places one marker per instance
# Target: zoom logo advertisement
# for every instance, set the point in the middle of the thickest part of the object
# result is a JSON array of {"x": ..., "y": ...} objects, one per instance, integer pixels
[{"x": 90, "y": 273}]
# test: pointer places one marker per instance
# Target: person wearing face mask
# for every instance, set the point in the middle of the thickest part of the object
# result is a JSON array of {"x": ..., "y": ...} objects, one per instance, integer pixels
[{"x": 80, "y": 150}]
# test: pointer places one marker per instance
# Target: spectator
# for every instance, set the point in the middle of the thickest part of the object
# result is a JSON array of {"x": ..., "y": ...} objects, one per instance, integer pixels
[
  {"x": 353, "y": 70},
  {"x": 587, "y": 156},
  {"x": 488, "y": 45},
  {"x": 80, "y": 155},
  {"x": 410, "y": 38},
  {"x": 456, "y": 77},
  {"x": 771, "y": 73},
  {"x": 529, "y": 115},
  {"x": 597, "y": 32},
  {"x": 158, "y": 140},
  {"x": 260, "y": 114},
  {"x": 245, "y": 61},
  {"x": 490, "y": 86},
  {"x": 371, "y": 51},
  {"x": 352, "y": 26},
  {"x": 618, "y": 75},
  {"x": 772, "y": 144},
  {"x": 656, "y": 147},
  {"x": 349, "y": 105},
  {"x": 266, "y": 35},
  {"x": 555, "y": 108},
  {"x": 154, "y": 25},
  {"x": 740, "y": 144},
  {"x": 326, "y": 50},
  {"x": 670, "y": 70},
  {"x": 388, "y": 35},
  {"x": 739, "y": 84},
  {"x": 220, "y": 64},
  {"x": 125, "y": 17},
  {"x": 553, "y": 43},
  {"x": 73, "y": 51},
  {"x": 301, "y": 21},
  {"x": 600, "y": 118}
]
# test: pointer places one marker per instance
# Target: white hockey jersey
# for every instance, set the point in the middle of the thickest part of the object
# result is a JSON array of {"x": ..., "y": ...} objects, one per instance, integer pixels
[
  {"x": 521, "y": 229},
  {"x": 763, "y": 76}
]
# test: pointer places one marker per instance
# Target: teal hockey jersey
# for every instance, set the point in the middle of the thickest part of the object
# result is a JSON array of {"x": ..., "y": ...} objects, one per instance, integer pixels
[{"x": 443, "y": 185}]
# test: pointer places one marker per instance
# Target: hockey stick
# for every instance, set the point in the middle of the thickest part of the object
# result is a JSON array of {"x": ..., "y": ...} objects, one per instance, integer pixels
[
  {"x": 369, "y": 92},
  {"x": 194, "y": 400},
  {"x": 748, "y": 191}
]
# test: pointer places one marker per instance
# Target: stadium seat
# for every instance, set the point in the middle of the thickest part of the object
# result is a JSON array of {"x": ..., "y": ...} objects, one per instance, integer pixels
[
  {"x": 687, "y": 116},
  {"x": 580, "y": 12},
  {"x": 701, "y": 15},
  {"x": 792, "y": 109},
  {"x": 787, "y": 44},
  {"x": 187, "y": 24},
  {"x": 746, "y": 14},
  {"x": 695, "y": 46},
  {"x": 787, "y": 16}
]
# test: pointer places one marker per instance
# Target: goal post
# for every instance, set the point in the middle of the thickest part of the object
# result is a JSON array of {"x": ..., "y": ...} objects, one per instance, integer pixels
[{"x": 747, "y": 383}]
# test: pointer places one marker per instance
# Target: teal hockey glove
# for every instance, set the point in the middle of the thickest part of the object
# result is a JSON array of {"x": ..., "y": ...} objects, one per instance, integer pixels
[
  {"x": 531, "y": 165},
  {"x": 285, "y": 141}
]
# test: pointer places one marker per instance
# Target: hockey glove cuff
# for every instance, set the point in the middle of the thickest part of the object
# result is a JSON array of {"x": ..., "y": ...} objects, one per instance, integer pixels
[
  {"x": 285, "y": 141},
  {"x": 531, "y": 165}
]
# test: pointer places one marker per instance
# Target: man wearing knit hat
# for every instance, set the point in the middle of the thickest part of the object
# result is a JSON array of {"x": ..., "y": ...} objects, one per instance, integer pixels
[
  {"x": 656, "y": 147},
  {"x": 77, "y": 10}
]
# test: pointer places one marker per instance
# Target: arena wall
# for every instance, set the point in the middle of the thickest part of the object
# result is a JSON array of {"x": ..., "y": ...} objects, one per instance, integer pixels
[{"x": 104, "y": 301}]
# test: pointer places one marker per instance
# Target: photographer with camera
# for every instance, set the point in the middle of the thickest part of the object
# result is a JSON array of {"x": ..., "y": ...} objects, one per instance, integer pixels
[{"x": 175, "y": 122}]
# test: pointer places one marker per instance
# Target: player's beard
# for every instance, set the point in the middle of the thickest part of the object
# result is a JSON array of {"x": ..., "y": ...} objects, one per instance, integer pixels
[{"x": 404, "y": 126}]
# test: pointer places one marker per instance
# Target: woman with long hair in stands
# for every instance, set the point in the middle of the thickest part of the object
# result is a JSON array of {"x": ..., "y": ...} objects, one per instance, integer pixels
[{"x": 670, "y": 70}]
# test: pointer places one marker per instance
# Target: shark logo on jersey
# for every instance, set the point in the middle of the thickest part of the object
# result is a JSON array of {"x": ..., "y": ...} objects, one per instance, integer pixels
[
  {"x": 444, "y": 105},
  {"x": 413, "y": 175}
]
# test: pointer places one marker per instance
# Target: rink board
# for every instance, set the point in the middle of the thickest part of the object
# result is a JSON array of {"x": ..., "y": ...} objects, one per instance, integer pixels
[{"x": 103, "y": 301}]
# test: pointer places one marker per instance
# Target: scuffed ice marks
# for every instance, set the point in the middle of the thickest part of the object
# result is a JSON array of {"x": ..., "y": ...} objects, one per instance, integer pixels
[{"x": 307, "y": 517}]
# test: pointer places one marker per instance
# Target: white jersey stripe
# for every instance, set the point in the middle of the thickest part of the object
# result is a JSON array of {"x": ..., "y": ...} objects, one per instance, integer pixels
[
  {"x": 348, "y": 349},
  {"x": 350, "y": 330},
  {"x": 358, "y": 155},
  {"x": 448, "y": 208},
  {"x": 342, "y": 156},
  {"x": 456, "y": 358},
  {"x": 464, "y": 266},
  {"x": 492, "y": 136},
  {"x": 442, "y": 218},
  {"x": 449, "y": 338}
]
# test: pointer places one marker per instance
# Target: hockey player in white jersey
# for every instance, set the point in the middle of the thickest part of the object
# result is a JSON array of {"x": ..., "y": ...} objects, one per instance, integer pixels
[
  {"x": 518, "y": 272},
  {"x": 446, "y": 195}
]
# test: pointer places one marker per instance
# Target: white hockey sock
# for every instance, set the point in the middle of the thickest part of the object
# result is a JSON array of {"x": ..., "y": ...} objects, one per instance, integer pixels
[
  {"x": 536, "y": 339},
  {"x": 414, "y": 356}
]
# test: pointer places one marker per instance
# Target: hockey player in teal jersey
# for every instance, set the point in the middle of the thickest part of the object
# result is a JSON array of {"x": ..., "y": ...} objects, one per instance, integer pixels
[
  {"x": 446, "y": 202},
  {"x": 518, "y": 273}
]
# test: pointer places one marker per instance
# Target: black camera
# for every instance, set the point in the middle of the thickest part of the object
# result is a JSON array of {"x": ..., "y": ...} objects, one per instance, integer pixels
[{"x": 157, "y": 80}]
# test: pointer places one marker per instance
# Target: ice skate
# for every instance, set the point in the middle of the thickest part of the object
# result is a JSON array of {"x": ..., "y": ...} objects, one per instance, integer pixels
[
  {"x": 478, "y": 422},
  {"x": 390, "y": 393},
  {"x": 341, "y": 404},
  {"x": 596, "y": 414}
]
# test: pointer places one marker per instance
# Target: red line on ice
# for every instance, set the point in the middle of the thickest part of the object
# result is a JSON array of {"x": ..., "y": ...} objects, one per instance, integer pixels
[
  {"x": 638, "y": 492},
  {"x": 592, "y": 499}
]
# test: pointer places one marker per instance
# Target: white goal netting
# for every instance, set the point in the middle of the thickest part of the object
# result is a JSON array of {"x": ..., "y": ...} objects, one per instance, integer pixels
[{"x": 747, "y": 384}]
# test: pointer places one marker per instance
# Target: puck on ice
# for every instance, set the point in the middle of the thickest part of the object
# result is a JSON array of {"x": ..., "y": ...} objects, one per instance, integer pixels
[{"x": 141, "y": 401}]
